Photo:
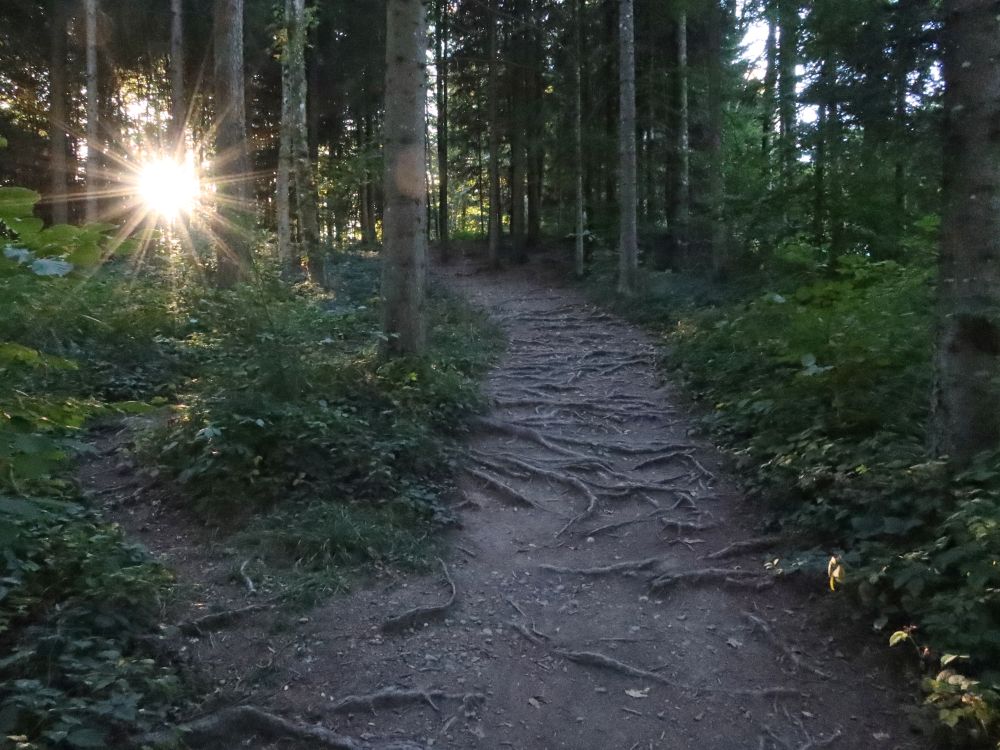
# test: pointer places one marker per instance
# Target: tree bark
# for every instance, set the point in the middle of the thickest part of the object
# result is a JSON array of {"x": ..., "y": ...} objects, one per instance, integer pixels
[
  {"x": 628, "y": 244},
  {"x": 178, "y": 103},
  {"x": 306, "y": 198},
  {"x": 93, "y": 111},
  {"x": 494, "y": 145},
  {"x": 232, "y": 155},
  {"x": 404, "y": 267},
  {"x": 788, "y": 57},
  {"x": 581, "y": 218},
  {"x": 58, "y": 110},
  {"x": 518, "y": 122},
  {"x": 286, "y": 251},
  {"x": 682, "y": 217},
  {"x": 718, "y": 20},
  {"x": 967, "y": 395},
  {"x": 441, "y": 61}
]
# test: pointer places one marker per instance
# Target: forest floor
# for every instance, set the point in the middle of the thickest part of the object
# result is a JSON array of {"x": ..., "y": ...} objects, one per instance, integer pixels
[{"x": 596, "y": 596}]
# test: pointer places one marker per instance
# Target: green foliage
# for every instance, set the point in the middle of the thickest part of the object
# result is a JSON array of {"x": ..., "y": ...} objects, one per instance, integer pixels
[{"x": 293, "y": 400}]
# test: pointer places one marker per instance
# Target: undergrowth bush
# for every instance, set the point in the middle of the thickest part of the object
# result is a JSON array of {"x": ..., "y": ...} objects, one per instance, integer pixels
[
  {"x": 819, "y": 383},
  {"x": 76, "y": 600}
]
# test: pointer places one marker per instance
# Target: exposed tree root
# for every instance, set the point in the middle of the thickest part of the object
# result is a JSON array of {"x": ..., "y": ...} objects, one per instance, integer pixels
[
  {"x": 710, "y": 575},
  {"x": 394, "y": 698},
  {"x": 797, "y": 660},
  {"x": 735, "y": 549},
  {"x": 602, "y": 661},
  {"x": 554, "y": 476},
  {"x": 504, "y": 489},
  {"x": 207, "y": 623},
  {"x": 671, "y": 457},
  {"x": 684, "y": 527},
  {"x": 629, "y": 566},
  {"x": 225, "y": 729},
  {"x": 525, "y": 433},
  {"x": 420, "y": 615},
  {"x": 525, "y": 633}
]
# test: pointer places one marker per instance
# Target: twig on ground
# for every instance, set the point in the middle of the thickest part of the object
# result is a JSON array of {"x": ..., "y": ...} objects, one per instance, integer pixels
[
  {"x": 246, "y": 579},
  {"x": 756, "y": 544},
  {"x": 422, "y": 614},
  {"x": 394, "y": 698},
  {"x": 206, "y": 623},
  {"x": 787, "y": 650},
  {"x": 710, "y": 575},
  {"x": 628, "y": 566}
]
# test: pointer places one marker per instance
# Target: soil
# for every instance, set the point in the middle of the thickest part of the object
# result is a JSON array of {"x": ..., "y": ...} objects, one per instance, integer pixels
[{"x": 589, "y": 464}]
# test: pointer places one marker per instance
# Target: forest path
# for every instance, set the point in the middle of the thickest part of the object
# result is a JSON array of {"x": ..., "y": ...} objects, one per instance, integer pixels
[{"x": 639, "y": 641}]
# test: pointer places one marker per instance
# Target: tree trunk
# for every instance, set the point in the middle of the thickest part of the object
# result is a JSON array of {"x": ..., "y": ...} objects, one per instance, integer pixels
[
  {"x": 628, "y": 273},
  {"x": 518, "y": 122},
  {"x": 718, "y": 19},
  {"x": 581, "y": 218},
  {"x": 404, "y": 266},
  {"x": 58, "y": 111},
  {"x": 287, "y": 255},
  {"x": 788, "y": 57},
  {"x": 535, "y": 101},
  {"x": 494, "y": 145},
  {"x": 178, "y": 104},
  {"x": 306, "y": 199},
  {"x": 93, "y": 111},
  {"x": 441, "y": 60},
  {"x": 232, "y": 156},
  {"x": 682, "y": 218},
  {"x": 770, "y": 87},
  {"x": 967, "y": 397}
]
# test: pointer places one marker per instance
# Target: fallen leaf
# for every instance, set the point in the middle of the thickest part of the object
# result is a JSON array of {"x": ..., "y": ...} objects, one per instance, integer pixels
[
  {"x": 733, "y": 643},
  {"x": 534, "y": 703},
  {"x": 637, "y": 693}
]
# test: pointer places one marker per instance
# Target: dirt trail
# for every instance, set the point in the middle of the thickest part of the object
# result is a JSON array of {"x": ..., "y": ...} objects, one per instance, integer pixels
[
  {"x": 575, "y": 624},
  {"x": 599, "y": 661}
]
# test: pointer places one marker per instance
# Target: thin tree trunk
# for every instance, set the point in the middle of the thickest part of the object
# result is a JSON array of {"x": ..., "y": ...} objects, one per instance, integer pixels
[
  {"x": 178, "y": 104},
  {"x": 286, "y": 252},
  {"x": 535, "y": 102},
  {"x": 517, "y": 131},
  {"x": 770, "y": 87},
  {"x": 93, "y": 111},
  {"x": 306, "y": 199},
  {"x": 232, "y": 154},
  {"x": 967, "y": 398},
  {"x": 441, "y": 60},
  {"x": 788, "y": 55},
  {"x": 718, "y": 20},
  {"x": 494, "y": 145},
  {"x": 58, "y": 115},
  {"x": 628, "y": 274},
  {"x": 682, "y": 223},
  {"x": 404, "y": 267},
  {"x": 581, "y": 218}
]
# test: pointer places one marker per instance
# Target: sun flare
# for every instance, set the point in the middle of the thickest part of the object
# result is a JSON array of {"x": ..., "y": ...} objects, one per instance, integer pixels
[{"x": 169, "y": 188}]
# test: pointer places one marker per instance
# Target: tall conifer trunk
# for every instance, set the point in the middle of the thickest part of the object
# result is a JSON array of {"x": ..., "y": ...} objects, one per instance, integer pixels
[
  {"x": 90, "y": 8},
  {"x": 178, "y": 99},
  {"x": 967, "y": 398},
  {"x": 58, "y": 111},
  {"x": 628, "y": 271},
  {"x": 441, "y": 60},
  {"x": 404, "y": 266},
  {"x": 232, "y": 156},
  {"x": 494, "y": 139}
]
